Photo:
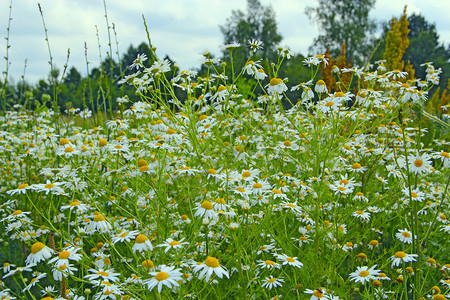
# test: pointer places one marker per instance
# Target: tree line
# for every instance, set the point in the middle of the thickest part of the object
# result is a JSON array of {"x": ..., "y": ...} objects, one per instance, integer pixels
[{"x": 346, "y": 31}]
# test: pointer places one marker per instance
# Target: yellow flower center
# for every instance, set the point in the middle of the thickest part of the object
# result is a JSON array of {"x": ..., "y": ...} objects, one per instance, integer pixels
[
  {"x": 49, "y": 185},
  {"x": 270, "y": 262},
  {"x": 246, "y": 174},
  {"x": 142, "y": 162},
  {"x": 271, "y": 280},
  {"x": 144, "y": 168},
  {"x": 212, "y": 262},
  {"x": 220, "y": 201},
  {"x": 63, "y": 142},
  {"x": 148, "y": 264},
  {"x": 221, "y": 89},
  {"x": 318, "y": 293},
  {"x": 141, "y": 239},
  {"x": 174, "y": 243},
  {"x": 207, "y": 205},
  {"x": 68, "y": 149},
  {"x": 364, "y": 273},
  {"x": 290, "y": 259},
  {"x": 257, "y": 185},
  {"x": 161, "y": 276},
  {"x": 102, "y": 142},
  {"x": 356, "y": 166},
  {"x": 275, "y": 81},
  {"x": 343, "y": 181},
  {"x": 23, "y": 185},
  {"x": 406, "y": 234},
  {"x": 17, "y": 212},
  {"x": 362, "y": 255},
  {"x": 99, "y": 218},
  {"x": 212, "y": 171},
  {"x": 276, "y": 191},
  {"x": 74, "y": 203},
  {"x": 418, "y": 163},
  {"x": 64, "y": 255},
  {"x": 431, "y": 261},
  {"x": 329, "y": 103},
  {"x": 339, "y": 94},
  {"x": 37, "y": 247},
  {"x": 400, "y": 254},
  {"x": 287, "y": 143}
]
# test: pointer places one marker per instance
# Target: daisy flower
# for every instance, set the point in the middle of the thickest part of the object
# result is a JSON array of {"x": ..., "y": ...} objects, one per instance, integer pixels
[
  {"x": 7, "y": 267},
  {"x": 268, "y": 264},
  {"x": 405, "y": 236},
  {"x": 66, "y": 255},
  {"x": 400, "y": 257},
  {"x": 266, "y": 249},
  {"x": 99, "y": 224},
  {"x": 104, "y": 275},
  {"x": 33, "y": 282},
  {"x": 255, "y": 45},
  {"x": 142, "y": 243},
  {"x": 416, "y": 194},
  {"x": 108, "y": 290},
  {"x": 124, "y": 236},
  {"x": 63, "y": 271},
  {"x": 420, "y": 164},
  {"x": 21, "y": 189},
  {"x": 316, "y": 294},
  {"x": 168, "y": 276},
  {"x": 363, "y": 215},
  {"x": 321, "y": 87},
  {"x": 272, "y": 282},
  {"x": 75, "y": 204},
  {"x": 364, "y": 274},
  {"x": 173, "y": 244},
  {"x": 28, "y": 268},
  {"x": 252, "y": 66},
  {"x": 260, "y": 74},
  {"x": 39, "y": 252},
  {"x": 208, "y": 267},
  {"x": 205, "y": 210},
  {"x": 276, "y": 86},
  {"x": 301, "y": 240},
  {"x": 373, "y": 244},
  {"x": 287, "y": 260}
]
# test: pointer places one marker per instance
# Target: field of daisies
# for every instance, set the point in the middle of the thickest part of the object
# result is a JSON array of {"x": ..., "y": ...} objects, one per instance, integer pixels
[{"x": 341, "y": 195}]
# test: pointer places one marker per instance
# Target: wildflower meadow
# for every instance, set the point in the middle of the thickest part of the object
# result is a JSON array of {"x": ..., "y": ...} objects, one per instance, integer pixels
[{"x": 237, "y": 192}]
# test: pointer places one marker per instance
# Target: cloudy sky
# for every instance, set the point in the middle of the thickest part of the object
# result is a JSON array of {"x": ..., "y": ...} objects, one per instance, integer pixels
[{"x": 180, "y": 28}]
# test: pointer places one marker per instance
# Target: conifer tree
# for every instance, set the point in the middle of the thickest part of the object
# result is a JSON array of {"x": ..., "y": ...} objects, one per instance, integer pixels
[{"x": 396, "y": 43}]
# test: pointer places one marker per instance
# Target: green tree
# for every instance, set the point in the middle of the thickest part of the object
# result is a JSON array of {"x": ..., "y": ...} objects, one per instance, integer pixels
[
  {"x": 423, "y": 47},
  {"x": 72, "y": 77},
  {"x": 259, "y": 22},
  {"x": 342, "y": 21}
]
